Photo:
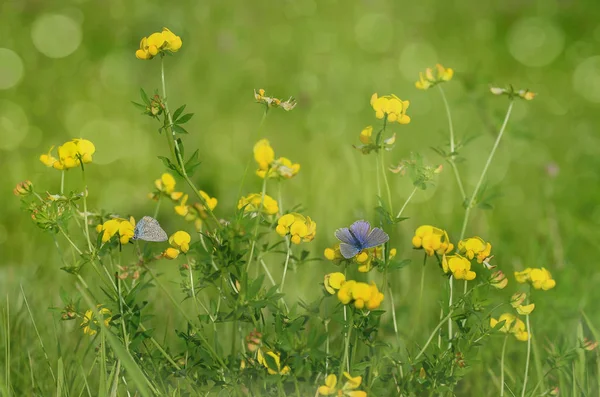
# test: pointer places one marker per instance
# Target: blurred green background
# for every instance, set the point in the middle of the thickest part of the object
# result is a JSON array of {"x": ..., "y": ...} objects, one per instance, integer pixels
[{"x": 67, "y": 69}]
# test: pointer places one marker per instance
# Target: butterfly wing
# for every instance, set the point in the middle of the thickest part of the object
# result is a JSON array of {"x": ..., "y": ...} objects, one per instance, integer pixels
[
  {"x": 343, "y": 234},
  {"x": 148, "y": 229},
  {"x": 376, "y": 237},
  {"x": 360, "y": 231},
  {"x": 348, "y": 251}
]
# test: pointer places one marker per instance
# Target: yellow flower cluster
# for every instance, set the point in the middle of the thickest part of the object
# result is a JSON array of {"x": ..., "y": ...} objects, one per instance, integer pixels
[
  {"x": 517, "y": 300},
  {"x": 513, "y": 325},
  {"x": 539, "y": 278},
  {"x": 348, "y": 390},
  {"x": 273, "y": 102},
  {"x": 350, "y": 291},
  {"x": 70, "y": 155},
  {"x": 270, "y": 167},
  {"x": 251, "y": 203},
  {"x": 90, "y": 324},
  {"x": 475, "y": 247},
  {"x": 302, "y": 229},
  {"x": 498, "y": 280},
  {"x": 459, "y": 266},
  {"x": 272, "y": 363},
  {"x": 429, "y": 80},
  {"x": 158, "y": 42},
  {"x": 180, "y": 242},
  {"x": 365, "y": 258},
  {"x": 195, "y": 212},
  {"x": 432, "y": 240},
  {"x": 390, "y": 106},
  {"x": 123, "y": 227}
]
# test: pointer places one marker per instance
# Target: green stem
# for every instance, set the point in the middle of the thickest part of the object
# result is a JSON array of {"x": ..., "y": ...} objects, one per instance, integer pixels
[
  {"x": 385, "y": 180},
  {"x": 260, "y": 125},
  {"x": 287, "y": 260},
  {"x": 410, "y": 196},
  {"x": 485, "y": 169},
  {"x": 177, "y": 151},
  {"x": 422, "y": 286},
  {"x": 450, "y": 284},
  {"x": 452, "y": 144},
  {"x": 86, "y": 226},
  {"x": 349, "y": 324},
  {"x": 257, "y": 223},
  {"x": 157, "y": 208},
  {"x": 199, "y": 333},
  {"x": 502, "y": 366},
  {"x": 62, "y": 182},
  {"x": 433, "y": 334},
  {"x": 528, "y": 356}
]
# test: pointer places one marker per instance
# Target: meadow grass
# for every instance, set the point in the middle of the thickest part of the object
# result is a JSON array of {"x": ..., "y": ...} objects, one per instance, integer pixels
[{"x": 536, "y": 202}]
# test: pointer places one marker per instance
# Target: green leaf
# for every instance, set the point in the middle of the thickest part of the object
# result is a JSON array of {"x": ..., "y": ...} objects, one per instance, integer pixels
[
  {"x": 140, "y": 106},
  {"x": 178, "y": 113},
  {"x": 185, "y": 118},
  {"x": 179, "y": 130},
  {"x": 167, "y": 163},
  {"x": 397, "y": 265},
  {"x": 144, "y": 97}
]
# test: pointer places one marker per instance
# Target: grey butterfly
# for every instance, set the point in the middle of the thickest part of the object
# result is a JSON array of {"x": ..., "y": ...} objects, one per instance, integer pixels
[{"x": 148, "y": 229}]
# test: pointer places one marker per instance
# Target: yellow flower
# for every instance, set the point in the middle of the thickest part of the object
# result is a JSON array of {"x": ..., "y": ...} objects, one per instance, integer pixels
[
  {"x": 428, "y": 79},
  {"x": 390, "y": 106},
  {"x": 333, "y": 254},
  {"x": 513, "y": 325},
  {"x": 432, "y": 240},
  {"x": 334, "y": 281},
  {"x": 210, "y": 201},
  {"x": 171, "y": 253},
  {"x": 123, "y": 227},
  {"x": 345, "y": 292},
  {"x": 263, "y": 154},
  {"x": 365, "y": 135},
  {"x": 268, "y": 166},
  {"x": 459, "y": 266},
  {"x": 348, "y": 390},
  {"x": 158, "y": 42},
  {"x": 180, "y": 240},
  {"x": 300, "y": 228},
  {"x": 475, "y": 247},
  {"x": 526, "y": 94},
  {"x": 251, "y": 203},
  {"x": 90, "y": 324},
  {"x": 182, "y": 209},
  {"x": 165, "y": 184},
  {"x": 48, "y": 159},
  {"x": 272, "y": 363},
  {"x": 361, "y": 294},
  {"x": 498, "y": 280},
  {"x": 539, "y": 278},
  {"x": 525, "y": 309},
  {"x": 366, "y": 258}
]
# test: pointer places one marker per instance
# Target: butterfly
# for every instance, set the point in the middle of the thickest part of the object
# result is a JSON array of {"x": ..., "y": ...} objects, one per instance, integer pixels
[
  {"x": 359, "y": 236},
  {"x": 148, "y": 229}
]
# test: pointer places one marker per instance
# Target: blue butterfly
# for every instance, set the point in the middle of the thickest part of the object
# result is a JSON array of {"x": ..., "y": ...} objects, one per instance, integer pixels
[
  {"x": 359, "y": 236},
  {"x": 148, "y": 229}
]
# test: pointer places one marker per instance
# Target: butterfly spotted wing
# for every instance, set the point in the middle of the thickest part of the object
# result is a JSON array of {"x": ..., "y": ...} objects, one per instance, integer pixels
[{"x": 148, "y": 229}]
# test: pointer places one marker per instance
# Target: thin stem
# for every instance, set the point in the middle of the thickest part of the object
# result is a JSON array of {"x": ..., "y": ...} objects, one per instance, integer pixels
[
  {"x": 502, "y": 366},
  {"x": 400, "y": 371},
  {"x": 385, "y": 181},
  {"x": 86, "y": 227},
  {"x": 270, "y": 276},
  {"x": 157, "y": 208},
  {"x": 433, "y": 334},
  {"x": 177, "y": 151},
  {"x": 70, "y": 241},
  {"x": 452, "y": 144},
  {"x": 257, "y": 223},
  {"x": 528, "y": 356},
  {"x": 346, "y": 343},
  {"x": 287, "y": 260},
  {"x": 260, "y": 125},
  {"x": 422, "y": 287},
  {"x": 485, "y": 169},
  {"x": 62, "y": 182},
  {"x": 410, "y": 196},
  {"x": 450, "y": 284}
]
